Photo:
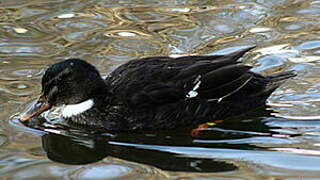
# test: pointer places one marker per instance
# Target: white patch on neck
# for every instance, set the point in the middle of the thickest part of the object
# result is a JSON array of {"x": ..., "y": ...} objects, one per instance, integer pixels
[{"x": 75, "y": 109}]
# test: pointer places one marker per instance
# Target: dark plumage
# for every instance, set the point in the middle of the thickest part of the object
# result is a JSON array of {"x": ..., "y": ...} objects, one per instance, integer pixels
[{"x": 157, "y": 92}]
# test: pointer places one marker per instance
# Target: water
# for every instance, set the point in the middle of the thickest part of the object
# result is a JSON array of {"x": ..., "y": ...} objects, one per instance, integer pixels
[{"x": 282, "y": 142}]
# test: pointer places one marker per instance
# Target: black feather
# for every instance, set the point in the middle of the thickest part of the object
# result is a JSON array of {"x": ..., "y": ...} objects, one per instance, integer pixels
[{"x": 161, "y": 92}]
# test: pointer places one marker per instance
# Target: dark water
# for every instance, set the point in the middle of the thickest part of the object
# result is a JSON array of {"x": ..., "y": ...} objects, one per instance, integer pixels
[{"x": 282, "y": 142}]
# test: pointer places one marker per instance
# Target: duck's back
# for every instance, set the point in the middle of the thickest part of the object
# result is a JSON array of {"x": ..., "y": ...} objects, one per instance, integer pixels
[{"x": 165, "y": 92}]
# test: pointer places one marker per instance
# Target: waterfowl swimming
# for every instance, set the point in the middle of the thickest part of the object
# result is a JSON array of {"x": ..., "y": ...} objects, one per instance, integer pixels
[{"x": 154, "y": 92}]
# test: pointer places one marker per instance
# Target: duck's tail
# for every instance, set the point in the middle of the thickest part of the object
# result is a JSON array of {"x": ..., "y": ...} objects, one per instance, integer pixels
[
  {"x": 278, "y": 77},
  {"x": 275, "y": 80}
]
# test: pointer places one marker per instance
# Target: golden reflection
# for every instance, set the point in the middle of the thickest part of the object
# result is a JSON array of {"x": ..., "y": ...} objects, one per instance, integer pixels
[
  {"x": 65, "y": 16},
  {"x": 126, "y": 34},
  {"x": 277, "y": 49},
  {"x": 304, "y": 59},
  {"x": 259, "y": 29},
  {"x": 20, "y": 30}
]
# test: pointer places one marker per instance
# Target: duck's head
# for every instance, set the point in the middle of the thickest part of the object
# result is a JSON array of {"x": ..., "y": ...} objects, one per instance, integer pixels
[{"x": 70, "y": 82}]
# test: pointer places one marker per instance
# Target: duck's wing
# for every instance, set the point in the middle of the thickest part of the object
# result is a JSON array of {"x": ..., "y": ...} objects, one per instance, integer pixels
[{"x": 159, "y": 80}]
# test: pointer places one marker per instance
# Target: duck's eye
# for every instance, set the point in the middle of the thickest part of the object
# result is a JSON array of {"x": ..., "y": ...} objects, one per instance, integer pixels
[
  {"x": 45, "y": 97},
  {"x": 53, "y": 92}
]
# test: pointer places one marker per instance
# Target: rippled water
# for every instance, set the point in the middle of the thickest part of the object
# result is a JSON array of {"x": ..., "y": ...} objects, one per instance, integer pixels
[{"x": 282, "y": 142}]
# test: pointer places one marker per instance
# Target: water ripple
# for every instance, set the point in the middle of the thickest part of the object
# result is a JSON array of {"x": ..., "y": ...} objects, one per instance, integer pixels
[{"x": 114, "y": 169}]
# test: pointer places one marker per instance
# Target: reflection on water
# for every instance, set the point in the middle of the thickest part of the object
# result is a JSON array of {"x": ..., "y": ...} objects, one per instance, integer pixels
[
  {"x": 88, "y": 150},
  {"x": 35, "y": 34}
]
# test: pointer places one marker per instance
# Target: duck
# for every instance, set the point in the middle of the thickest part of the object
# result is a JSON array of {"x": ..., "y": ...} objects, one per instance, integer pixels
[{"x": 154, "y": 93}]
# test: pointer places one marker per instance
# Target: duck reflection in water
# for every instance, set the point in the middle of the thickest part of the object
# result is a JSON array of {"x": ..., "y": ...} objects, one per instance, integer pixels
[
  {"x": 84, "y": 151},
  {"x": 151, "y": 147}
]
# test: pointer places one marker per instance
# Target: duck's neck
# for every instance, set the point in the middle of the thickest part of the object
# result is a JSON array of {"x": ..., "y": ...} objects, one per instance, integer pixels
[{"x": 72, "y": 110}]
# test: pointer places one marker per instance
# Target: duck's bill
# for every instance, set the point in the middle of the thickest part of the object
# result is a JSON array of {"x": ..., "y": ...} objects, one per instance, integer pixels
[{"x": 39, "y": 107}]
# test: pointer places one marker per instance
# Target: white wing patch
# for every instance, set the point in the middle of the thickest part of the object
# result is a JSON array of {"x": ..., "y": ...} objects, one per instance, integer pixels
[
  {"x": 193, "y": 93},
  {"x": 75, "y": 109}
]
